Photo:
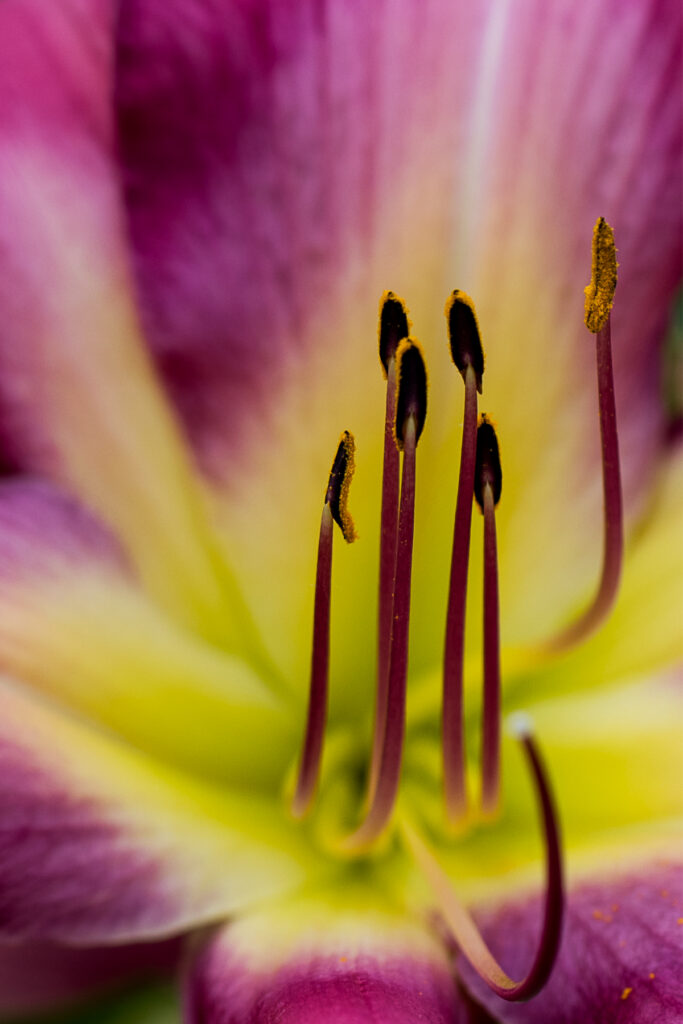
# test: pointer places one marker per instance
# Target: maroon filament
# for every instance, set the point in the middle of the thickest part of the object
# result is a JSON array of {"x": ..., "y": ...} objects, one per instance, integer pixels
[
  {"x": 461, "y": 924},
  {"x": 309, "y": 767},
  {"x": 613, "y": 528},
  {"x": 453, "y": 730},
  {"x": 387, "y": 565},
  {"x": 381, "y": 801},
  {"x": 490, "y": 748}
]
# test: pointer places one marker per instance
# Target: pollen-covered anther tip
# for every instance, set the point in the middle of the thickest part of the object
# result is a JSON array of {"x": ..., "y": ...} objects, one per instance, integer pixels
[
  {"x": 394, "y": 326},
  {"x": 411, "y": 402},
  {"x": 463, "y": 335},
  {"x": 487, "y": 472},
  {"x": 337, "y": 494},
  {"x": 600, "y": 292}
]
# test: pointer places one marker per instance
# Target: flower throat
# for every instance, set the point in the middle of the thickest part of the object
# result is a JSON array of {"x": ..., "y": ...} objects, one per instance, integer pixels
[{"x": 480, "y": 479}]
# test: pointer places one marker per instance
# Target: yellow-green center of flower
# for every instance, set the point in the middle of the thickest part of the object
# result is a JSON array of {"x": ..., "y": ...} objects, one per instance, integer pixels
[{"x": 358, "y": 801}]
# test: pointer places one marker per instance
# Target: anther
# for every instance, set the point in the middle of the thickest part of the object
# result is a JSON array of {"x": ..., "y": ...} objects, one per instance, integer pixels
[
  {"x": 468, "y": 356},
  {"x": 600, "y": 292},
  {"x": 488, "y": 479},
  {"x": 599, "y": 299},
  {"x": 463, "y": 335},
  {"x": 410, "y": 416},
  {"x": 465, "y": 932},
  {"x": 334, "y": 510},
  {"x": 394, "y": 326},
  {"x": 488, "y": 471},
  {"x": 337, "y": 494},
  {"x": 411, "y": 400}
]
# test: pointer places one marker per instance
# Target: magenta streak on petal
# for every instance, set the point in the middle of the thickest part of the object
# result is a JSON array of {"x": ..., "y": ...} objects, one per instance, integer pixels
[
  {"x": 617, "y": 934},
  {"x": 259, "y": 144},
  {"x": 41, "y": 977},
  {"x": 362, "y": 990},
  {"x": 69, "y": 873},
  {"x": 225, "y": 192},
  {"x": 45, "y": 532},
  {"x": 55, "y": 85},
  {"x": 60, "y": 64}
]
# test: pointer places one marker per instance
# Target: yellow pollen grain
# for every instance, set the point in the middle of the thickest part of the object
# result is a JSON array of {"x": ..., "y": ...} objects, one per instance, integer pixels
[
  {"x": 342, "y": 959},
  {"x": 651, "y": 975},
  {"x": 600, "y": 292},
  {"x": 626, "y": 993},
  {"x": 348, "y": 526},
  {"x": 680, "y": 920}
]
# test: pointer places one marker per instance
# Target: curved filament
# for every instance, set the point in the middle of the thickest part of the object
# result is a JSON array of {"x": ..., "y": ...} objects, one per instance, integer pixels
[
  {"x": 613, "y": 528},
  {"x": 461, "y": 924}
]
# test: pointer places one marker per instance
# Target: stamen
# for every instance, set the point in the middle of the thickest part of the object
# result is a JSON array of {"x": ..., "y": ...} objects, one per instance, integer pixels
[
  {"x": 411, "y": 401},
  {"x": 463, "y": 335},
  {"x": 468, "y": 356},
  {"x": 394, "y": 326},
  {"x": 599, "y": 299},
  {"x": 411, "y": 410},
  {"x": 334, "y": 510},
  {"x": 465, "y": 931},
  {"x": 488, "y": 481}
]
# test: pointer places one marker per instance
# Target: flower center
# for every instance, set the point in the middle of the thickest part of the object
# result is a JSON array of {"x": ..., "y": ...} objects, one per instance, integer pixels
[{"x": 480, "y": 479}]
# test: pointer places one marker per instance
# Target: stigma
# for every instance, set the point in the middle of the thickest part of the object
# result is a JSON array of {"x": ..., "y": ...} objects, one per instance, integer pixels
[{"x": 480, "y": 483}]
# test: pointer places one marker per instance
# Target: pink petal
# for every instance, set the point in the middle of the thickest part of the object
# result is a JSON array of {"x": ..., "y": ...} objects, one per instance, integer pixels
[
  {"x": 304, "y": 966},
  {"x": 99, "y": 844},
  {"x": 264, "y": 147},
  {"x": 620, "y": 958},
  {"x": 79, "y": 397},
  {"x": 46, "y": 978}
]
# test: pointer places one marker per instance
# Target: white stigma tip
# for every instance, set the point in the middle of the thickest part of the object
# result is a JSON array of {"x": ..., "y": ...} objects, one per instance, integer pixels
[{"x": 519, "y": 725}]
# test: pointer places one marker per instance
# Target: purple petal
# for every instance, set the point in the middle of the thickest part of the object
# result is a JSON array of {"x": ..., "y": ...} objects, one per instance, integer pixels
[
  {"x": 47, "y": 978},
  {"x": 79, "y": 397},
  {"x": 99, "y": 844},
  {"x": 263, "y": 147},
  {"x": 298, "y": 967},
  {"x": 620, "y": 959}
]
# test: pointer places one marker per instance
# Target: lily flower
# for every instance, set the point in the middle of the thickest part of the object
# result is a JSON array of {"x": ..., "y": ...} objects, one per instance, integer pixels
[{"x": 200, "y": 206}]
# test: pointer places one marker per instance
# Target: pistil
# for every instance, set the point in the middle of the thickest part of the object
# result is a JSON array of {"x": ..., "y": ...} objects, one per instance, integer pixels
[
  {"x": 599, "y": 300},
  {"x": 411, "y": 409},
  {"x": 488, "y": 479},
  {"x": 334, "y": 510},
  {"x": 463, "y": 928},
  {"x": 394, "y": 326},
  {"x": 468, "y": 356}
]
